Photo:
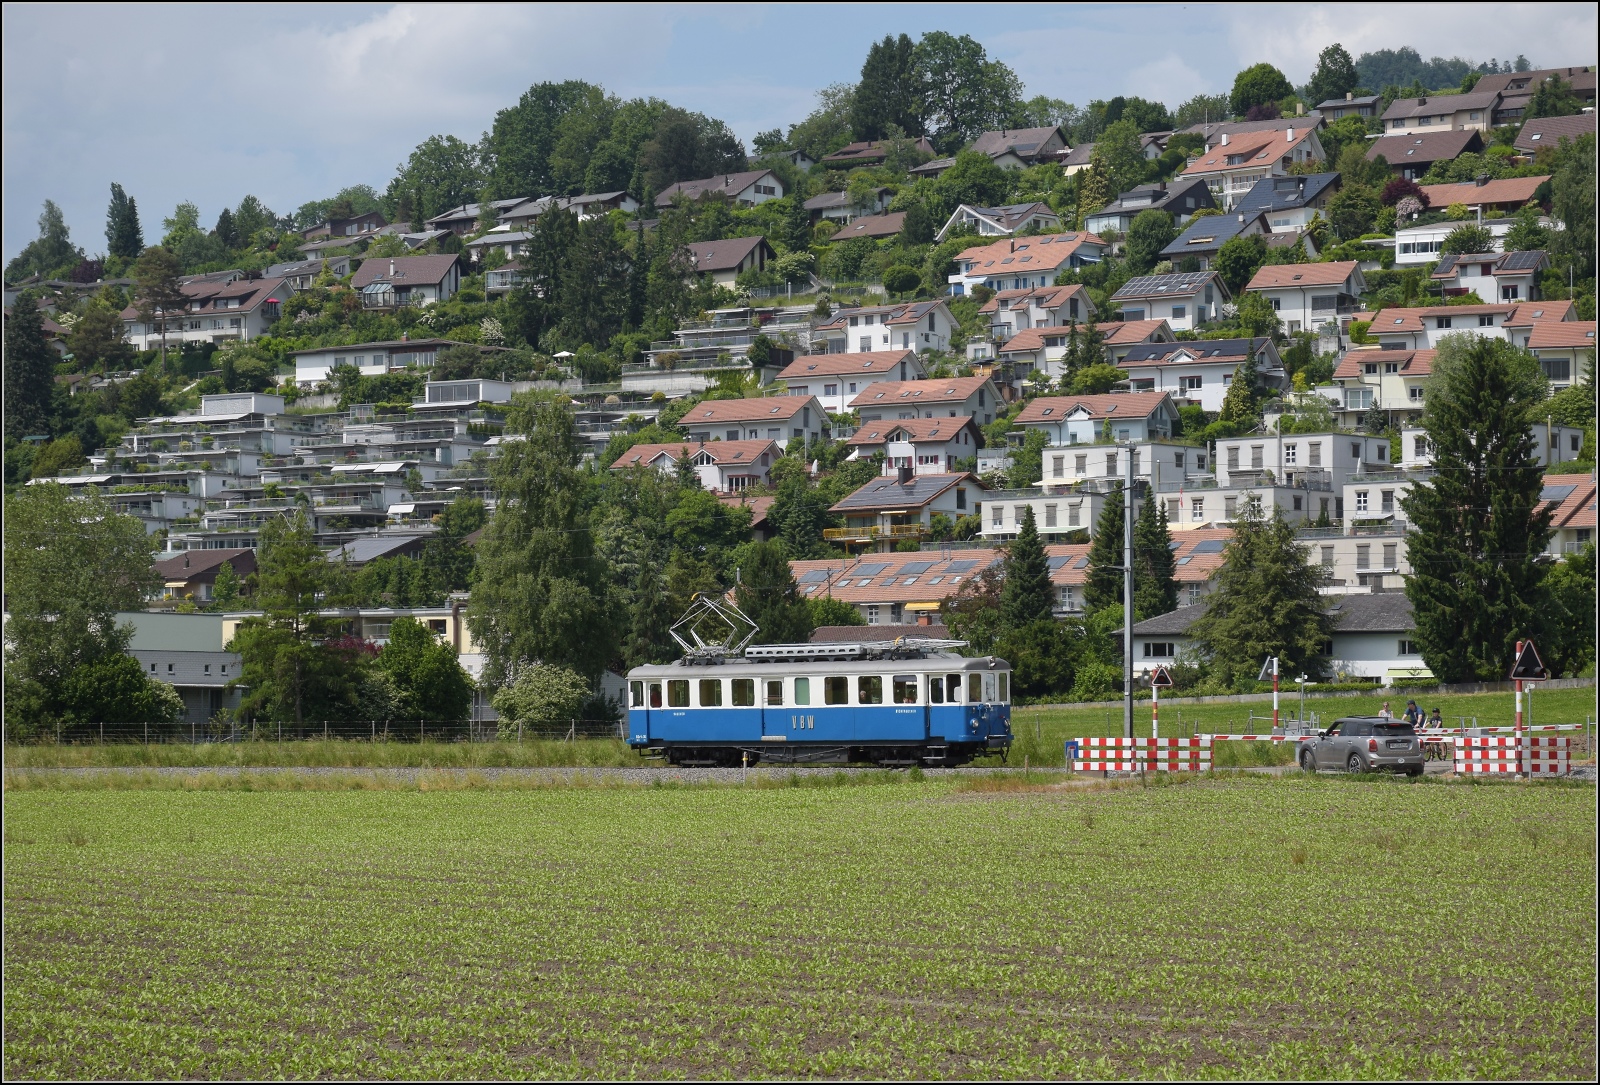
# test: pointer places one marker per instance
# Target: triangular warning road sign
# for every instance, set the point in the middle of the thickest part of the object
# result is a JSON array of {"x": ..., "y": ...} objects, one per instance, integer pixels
[
  {"x": 1160, "y": 678},
  {"x": 1269, "y": 669},
  {"x": 1528, "y": 667}
]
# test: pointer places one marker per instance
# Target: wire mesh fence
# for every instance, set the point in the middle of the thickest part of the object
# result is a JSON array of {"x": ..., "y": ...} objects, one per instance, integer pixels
[{"x": 198, "y": 732}]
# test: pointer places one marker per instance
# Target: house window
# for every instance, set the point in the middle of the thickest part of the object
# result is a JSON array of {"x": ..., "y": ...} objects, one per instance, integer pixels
[
  {"x": 1315, "y": 448},
  {"x": 1327, "y": 557},
  {"x": 1364, "y": 556},
  {"x": 1049, "y": 516},
  {"x": 864, "y": 343},
  {"x": 1111, "y": 465},
  {"x": 1197, "y": 509},
  {"x": 1179, "y": 311},
  {"x": 1299, "y": 503},
  {"x": 1291, "y": 455},
  {"x": 1156, "y": 649},
  {"x": 1233, "y": 457},
  {"x": 1194, "y": 594},
  {"x": 1230, "y": 507},
  {"x": 1416, "y": 393},
  {"x": 1361, "y": 500},
  {"x": 1391, "y": 367},
  {"x": 1486, "y": 321},
  {"x": 1080, "y": 464},
  {"x": 1391, "y": 552},
  {"x": 1556, "y": 369},
  {"x": 1386, "y": 502},
  {"x": 1421, "y": 447},
  {"x": 999, "y": 516},
  {"x": 1510, "y": 292},
  {"x": 1408, "y": 647},
  {"x": 1072, "y": 516},
  {"x": 1256, "y": 459},
  {"x": 1441, "y": 322},
  {"x": 1189, "y": 384},
  {"x": 1275, "y": 305},
  {"x": 830, "y": 389},
  {"x": 1056, "y": 465}
]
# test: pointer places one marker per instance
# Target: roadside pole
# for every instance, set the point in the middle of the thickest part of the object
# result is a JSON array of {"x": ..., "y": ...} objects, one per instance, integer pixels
[
  {"x": 1127, "y": 592},
  {"x": 1519, "y": 692},
  {"x": 1160, "y": 679}
]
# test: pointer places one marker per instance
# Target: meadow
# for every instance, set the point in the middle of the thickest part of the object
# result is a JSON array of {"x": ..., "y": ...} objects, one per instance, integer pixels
[{"x": 876, "y": 925}]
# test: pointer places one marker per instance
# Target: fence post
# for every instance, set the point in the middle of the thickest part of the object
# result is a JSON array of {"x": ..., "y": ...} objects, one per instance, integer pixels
[
  {"x": 147, "y": 733},
  {"x": 102, "y": 732},
  {"x": 374, "y": 725},
  {"x": 519, "y": 732}
]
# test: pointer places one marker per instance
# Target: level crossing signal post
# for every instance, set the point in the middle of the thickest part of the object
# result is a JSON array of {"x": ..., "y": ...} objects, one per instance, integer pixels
[
  {"x": 1271, "y": 667},
  {"x": 1527, "y": 668},
  {"x": 1160, "y": 679}
]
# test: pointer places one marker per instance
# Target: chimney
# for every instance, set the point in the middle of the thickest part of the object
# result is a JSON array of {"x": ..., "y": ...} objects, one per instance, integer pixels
[
  {"x": 1349, "y": 95},
  {"x": 1291, "y": 133},
  {"x": 391, "y": 269},
  {"x": 905, "y": 474},
  {"x": 1224, "y": 139},
  {"x": 1423, "y": 100},
  {"x": 1482, "y": 179},
  {"x": 1241, "y": 220},
  {"x": 1299, "y": 109},
  {"x": 1013, "y": 244}
]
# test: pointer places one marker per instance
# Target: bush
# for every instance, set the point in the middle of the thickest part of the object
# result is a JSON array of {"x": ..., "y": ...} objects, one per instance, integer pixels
[
  {"x": 901, "y": 279},
  {"x": 544, "y": 697}
]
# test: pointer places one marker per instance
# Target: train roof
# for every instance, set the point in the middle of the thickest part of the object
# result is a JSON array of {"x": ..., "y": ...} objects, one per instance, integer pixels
[{"x": 877, "y": 662}]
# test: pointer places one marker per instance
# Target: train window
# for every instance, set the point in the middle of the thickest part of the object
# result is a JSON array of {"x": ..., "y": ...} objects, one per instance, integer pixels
[
  {"x": 974, "y": 688},
  {"x": 836, "y": 690},
  {"x": 988, "y": 688},
  {"x": 869, "y": 689},
  {"x": 1005, "y": 687},
  {"x": 678, "y": 693},
  {"x": 710, "y": 693},
  {"x": 744, "y": 692},
  {"x": 635, "y": 694},
  {"x": 952, "y": 688},
  {"x": 775, "y": 691},
  {"x": 905, "y": 689},
  {"x": 935, "y": 689},
  {"x": 655, "y": 694},
  {"x": 802, "y": 691}
]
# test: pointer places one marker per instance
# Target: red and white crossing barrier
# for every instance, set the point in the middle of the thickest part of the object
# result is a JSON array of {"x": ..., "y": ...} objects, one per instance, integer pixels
[
  {"x": 1533, "y": 755},
  {"x": 1141, "y": 754}
]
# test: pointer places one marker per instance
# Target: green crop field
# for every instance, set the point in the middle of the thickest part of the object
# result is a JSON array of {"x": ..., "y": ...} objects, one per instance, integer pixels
[{"x": 880, "y": 926}]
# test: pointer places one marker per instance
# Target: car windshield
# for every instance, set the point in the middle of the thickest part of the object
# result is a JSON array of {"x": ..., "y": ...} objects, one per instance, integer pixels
[{"x": 1393, "y": 729}]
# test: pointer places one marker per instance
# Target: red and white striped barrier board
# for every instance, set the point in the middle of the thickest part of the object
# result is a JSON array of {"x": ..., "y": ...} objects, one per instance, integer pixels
[
  {"x": 1259, "y": 738},
  {"x": 1533, "y": 755},
  {"x": 1139, "y": 754}
]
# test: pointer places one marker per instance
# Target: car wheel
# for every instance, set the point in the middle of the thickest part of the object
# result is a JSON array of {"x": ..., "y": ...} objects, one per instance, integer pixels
[
  {"x": 1308, "y": 763},
  {"x": 1414, "y": 772},
  {"x": 1355, "y": 764}
]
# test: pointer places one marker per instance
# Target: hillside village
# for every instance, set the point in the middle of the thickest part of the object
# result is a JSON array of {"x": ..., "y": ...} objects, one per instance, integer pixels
[{"x": 870, "y": 371}]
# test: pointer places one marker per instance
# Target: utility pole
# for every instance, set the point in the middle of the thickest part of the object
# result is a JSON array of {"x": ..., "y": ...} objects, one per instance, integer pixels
[{"x": 1127, "y": 592}]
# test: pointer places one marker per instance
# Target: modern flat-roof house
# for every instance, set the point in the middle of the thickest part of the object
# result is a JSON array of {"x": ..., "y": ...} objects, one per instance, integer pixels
[
  {"x": 836, "y": 379},
  {"x": 1025, "y": 263},
  {"x": 945, "y": 397},
  {"x": 899, "y": 508},
  {"x": 1001, "y": 221},
  {"x": 1493, "y": 276},
  {"x": 1200, "y": 371},
  {"x": 315, "y": 364},
  {"x": 188, "y": 652},
  {"x": 741, "y": 189},
  {"x": 1505, "y": 194},
  {"x": 1184, "y": 300},
  {"x": 724, "y": 261},
  {"x": 1418, "y": 245},
  {"x": 1204, "y": 237},
  {"x": 1290, "y": 203},
  {"x": 1308, "y": 296},
  {"x": 1234, "y": 164},
  {"x": 1178, "y": 198},
  {"x": 214, "y": 311},
  {"x": 1412, "y": 154},
  {"x": 396, "y": 282},
  {"x": 723, "y": 467},
  {"x": 916, "y": 325},
  {"x": 1078, "y": 420},
  {"x": 930, "y": 446},
  {"x": 1544, "y": 132},
  {"x": 774, "y": 418}
]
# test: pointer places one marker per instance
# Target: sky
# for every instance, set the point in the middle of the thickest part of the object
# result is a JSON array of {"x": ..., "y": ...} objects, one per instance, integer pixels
[{"x": 291, "y": 103}]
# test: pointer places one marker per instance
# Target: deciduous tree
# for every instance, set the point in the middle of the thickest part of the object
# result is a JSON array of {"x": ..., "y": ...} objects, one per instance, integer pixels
[
  {"x": 1334, "y": 76},
  {"x": 1259, "y": 84}
]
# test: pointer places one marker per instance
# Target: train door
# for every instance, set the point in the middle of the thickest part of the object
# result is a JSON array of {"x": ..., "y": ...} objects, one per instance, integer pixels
[
  {"x": 642, "y": 696},
  {"x": 908, "y": 716},
  {"x": 779, "y": 714},
  {"x": 944, "y": 707}
]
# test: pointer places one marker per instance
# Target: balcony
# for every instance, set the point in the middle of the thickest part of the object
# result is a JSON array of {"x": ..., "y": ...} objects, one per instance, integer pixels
[{"x": 875, "y": 533}]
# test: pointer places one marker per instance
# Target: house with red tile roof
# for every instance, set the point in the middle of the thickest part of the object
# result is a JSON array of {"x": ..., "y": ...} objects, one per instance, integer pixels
[
  {"x": 1571, "y": 501},
  {"x": 1489, "y": 194},
  {"x": 836, "y": 379},
  {"x": 1565, "y": 349},
  {"x": 216, "y": 310},
  {"x": 1232, "y": 166},
  {"x": 723, "y": 467},
  {"x": 929, "y": 446},
  {"x": 1308, "y": 296},
  {"x": 894, "y": 588},
  {"x": 894, "y": 509},
  {"x": 918, "y": 325},
  {"x": 772, "y": 418},
  {"x": 1025, "y": 263},
  {"x": 395, "y": 282},
  {"x": 1074, "y": 420},
  {"x": 1390, "y": 379},
  {"x": 949, "y": 397}
]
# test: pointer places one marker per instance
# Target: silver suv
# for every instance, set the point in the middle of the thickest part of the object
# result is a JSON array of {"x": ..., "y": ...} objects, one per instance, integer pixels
[{"x": 1365, "y": 744}]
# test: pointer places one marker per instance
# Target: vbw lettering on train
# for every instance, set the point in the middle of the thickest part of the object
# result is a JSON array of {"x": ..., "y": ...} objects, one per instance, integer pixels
[{"x": 800, "y": 723}]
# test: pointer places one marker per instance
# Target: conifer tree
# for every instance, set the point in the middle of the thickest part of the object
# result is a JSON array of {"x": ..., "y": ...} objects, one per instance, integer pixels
[
  {"x": 29, "y": 371},
  {"x": 1027, "y": 596},
  {"x": 887, "y": 96},
  {"x": 648, "y": 640},
  {"x": 1154, "y": 589},
  {"x": 768, "y": 596},
  {"x": 1476, "y": 585},
  {"x": 797, "y": 224},
  {"x": 124, "y": 238},
  {"x": 1266, "y": 602},
  {"x": 1103, "y": 587}
]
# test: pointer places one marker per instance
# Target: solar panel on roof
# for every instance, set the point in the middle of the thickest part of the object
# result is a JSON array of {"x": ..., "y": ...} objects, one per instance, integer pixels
[
  {"x": 815, "y": 576},
  {"x": 914, "y": 567},
  {"x": 870, "y": 570},
  {"x": 961, "y": 566},
  {"x": 1083, "y": 562},
  {"x": 1208, "y": 546},
  {"x": 1556, "y": 493},
  {"x": 1056, "y": 563}
]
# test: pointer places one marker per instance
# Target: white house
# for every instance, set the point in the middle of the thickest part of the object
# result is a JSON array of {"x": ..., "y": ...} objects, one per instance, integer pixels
[
  {"x": 215, "y": 310},
  {"x": 1199, "y": 371},
  {"x": 920, "y": 326},
  {"x": 1183, "y": 299},
  {"x": 746, "y": 189},
  {"x": 1337, "y": 456},
  {"x": 1418, "y": 245},
  {"x": 1422, "y": 328},
  {"x": 900, "y": 508},
  {"x": 1001, "y": 221},
  {"x": 1074, "y": 420},
  {"x": 315, "y": 364},
  {"x": 1162, "y": 464},
  {"x": 1565, "y": 349},
  {"x": 1024, "y": 263},
  {"x": 722, "y": 466},
  {"x": 1237, "y": 160},
  {"x": 1571, "y": 501},
  {"x": 1492, "y": 276},
  {"x": 929, "y": 446},
  {"x": 1308, "y": 296},
  {"x": 836, "y": 379},
  {"x": 391, "y": 283},
  {"x": 949, "y": 397},
  {"x": 774, "y": 418}
]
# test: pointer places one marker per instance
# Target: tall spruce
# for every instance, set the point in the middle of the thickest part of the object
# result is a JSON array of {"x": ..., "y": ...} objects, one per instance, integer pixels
[
  {"x": 887, "y": 96},
  {"x": 542, "y": 593},
  {"x": 1103, "y": 586},
  {"x": 1476, "y": 584},
  {"x": 1266, "y": 602},
  {"x": 29, "y": 371},
  {"x": 1155, "y": 591},
  {"x": 124, "y": 238},
  {"x": 768, "y": 596},
  {"x": 648, "y": 640},
  {"x": 1027, "y": 596}
]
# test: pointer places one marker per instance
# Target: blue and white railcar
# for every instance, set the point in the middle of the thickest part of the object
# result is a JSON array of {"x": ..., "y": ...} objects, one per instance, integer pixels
[{"x": 900, "y": 704}]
